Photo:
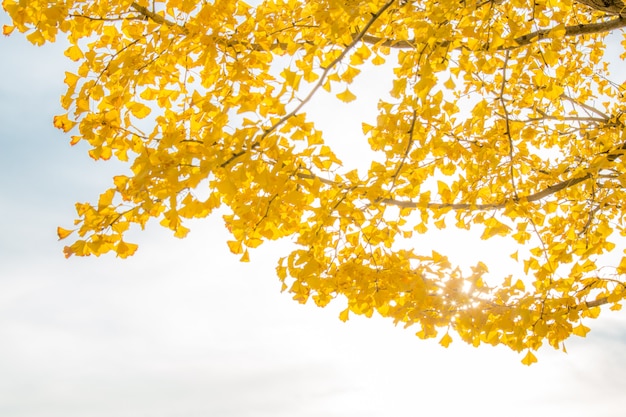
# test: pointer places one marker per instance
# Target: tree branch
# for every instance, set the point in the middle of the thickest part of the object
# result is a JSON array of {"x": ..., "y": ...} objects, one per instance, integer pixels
[
  {"x": 576, "y": 30},
  {"x": 469, "y": 206},
  {"x": 157, "y": 18},
  {"x": 607, "y": 6},
  {"x": 597, "y": 302}
]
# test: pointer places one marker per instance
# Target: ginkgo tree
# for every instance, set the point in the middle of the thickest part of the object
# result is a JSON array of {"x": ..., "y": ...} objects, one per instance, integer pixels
[{"x": 502, "y": 118}]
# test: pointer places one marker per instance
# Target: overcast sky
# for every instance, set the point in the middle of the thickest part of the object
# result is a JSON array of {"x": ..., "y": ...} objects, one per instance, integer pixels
[{"x": 183, "y": 329}]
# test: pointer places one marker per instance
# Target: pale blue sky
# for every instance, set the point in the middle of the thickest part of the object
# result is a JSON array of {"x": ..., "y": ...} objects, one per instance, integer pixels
[{"x": 183, "y": 329}]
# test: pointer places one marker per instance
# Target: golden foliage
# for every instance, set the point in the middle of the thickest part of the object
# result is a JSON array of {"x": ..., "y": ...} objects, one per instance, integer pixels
[{"x": 501, "y": 117}]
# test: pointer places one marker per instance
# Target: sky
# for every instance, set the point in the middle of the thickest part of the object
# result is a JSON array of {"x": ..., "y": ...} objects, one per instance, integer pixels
[{"x": 184, "y": 329}]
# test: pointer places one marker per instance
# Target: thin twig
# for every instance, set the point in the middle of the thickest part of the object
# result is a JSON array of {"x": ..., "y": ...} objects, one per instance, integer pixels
[
  {"x": 406, "y": 152},
  {"x": 586, "y": 107},
  {"x": 508, "y": 124}
]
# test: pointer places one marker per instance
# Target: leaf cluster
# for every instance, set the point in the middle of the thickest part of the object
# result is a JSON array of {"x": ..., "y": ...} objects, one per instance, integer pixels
[{"x": 501, "y": 117}]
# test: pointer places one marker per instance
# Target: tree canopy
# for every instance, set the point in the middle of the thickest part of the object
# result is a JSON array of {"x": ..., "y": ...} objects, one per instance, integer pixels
[{"x": 502, "y": 117}]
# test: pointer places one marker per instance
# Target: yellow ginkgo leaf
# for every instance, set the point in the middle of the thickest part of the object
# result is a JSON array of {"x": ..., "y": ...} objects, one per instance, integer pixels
[
  {"x": 62, "y": 122},
  {"x": 445, "y": 340},
  {"x": 581, "y": 330},
  {"x": 344, "y": 315},
  {"x": 125, "y": 249},
  {"x": 36, "y": 38},
  {"x": 346, "y": 96},
  {"x": 529, "y": 359},
  {"x": 6, "y": 30},
  {"x": 74, "y": 53},
  {"x": 181, "y": 231},
  {"x": 139, "y": 110},
  {"x": 63, "y": 233},
  {"x": 235, "y": 246}
]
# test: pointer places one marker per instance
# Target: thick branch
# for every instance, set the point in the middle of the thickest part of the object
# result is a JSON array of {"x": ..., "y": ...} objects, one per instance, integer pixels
[
  {"x": 597, "y": 302},
  {"x": 607, "y": 6},
  {"x": 157, "y": 18},
  {"x": 469, "y": 206},
  {"x": 576, "y": 30},
  {"x": 462, "y": 206}
]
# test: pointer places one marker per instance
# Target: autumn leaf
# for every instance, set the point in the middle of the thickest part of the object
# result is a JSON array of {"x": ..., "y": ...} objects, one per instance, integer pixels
[
  {"x": 63, "y": 233},
  {"x": 529, "y": 359},
  {"x": 74, "y": 53},
  {"x": 125, "y": 249},
  {"x": 36, "y": 38},
  {"x": 580, "y": 330},
  {"x": 445, "y": 340},
  {"x": 63, "y": 123},
  {"x": 344, "y": 315},
  {"x": 235, "y": 246},
  {"x": 139, "y": 110},
  {"x": 346, "y": 96}
]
